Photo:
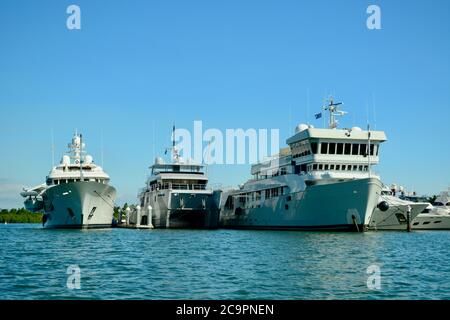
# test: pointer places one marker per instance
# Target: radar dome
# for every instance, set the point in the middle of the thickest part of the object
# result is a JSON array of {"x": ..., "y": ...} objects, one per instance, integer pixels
[
  {"x": 88, "y": 159},
  {"x": 159, "y": 160},
  {"x": 301, "y": 127},
  {"x": 356, "y": 129},
  {"x": 65, "y": 160}
]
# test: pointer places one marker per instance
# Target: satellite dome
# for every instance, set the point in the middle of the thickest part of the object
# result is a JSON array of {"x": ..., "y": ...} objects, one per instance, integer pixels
[
  {"x": 356, "y": 129},
  {"x": 301, "y": 127},
  {"x": 65, "y": 160},
  {"x": 159, "y": 160},
  {"x": 88, "y": 159}
]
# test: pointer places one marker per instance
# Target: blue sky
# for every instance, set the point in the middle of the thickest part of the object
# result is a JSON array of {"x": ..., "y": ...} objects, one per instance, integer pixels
[{"x": 136, "y": 67}]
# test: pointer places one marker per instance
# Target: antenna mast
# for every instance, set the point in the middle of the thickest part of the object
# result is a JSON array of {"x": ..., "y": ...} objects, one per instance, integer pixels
[
  {"x": 369, "y": 149},
  {"x": 333, "y": 108},
  {"x": 101, "y": 145},
  {"x": 81, "y": 157},
  {"x": 53, "y": 149}
]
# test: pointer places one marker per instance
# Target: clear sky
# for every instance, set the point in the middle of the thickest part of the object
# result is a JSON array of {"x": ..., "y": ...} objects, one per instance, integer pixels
[{"x": 137, "y": 67}]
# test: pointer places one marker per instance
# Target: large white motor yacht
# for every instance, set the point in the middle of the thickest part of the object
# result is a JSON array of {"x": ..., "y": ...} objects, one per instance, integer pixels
[
  {"x": 437, "y": 216},
  {"x": 395, "y": 212},
  {"x": 177, "y": 195},
  {"x": 322, "y": 181},
  {"x": 76, "y": 194}
]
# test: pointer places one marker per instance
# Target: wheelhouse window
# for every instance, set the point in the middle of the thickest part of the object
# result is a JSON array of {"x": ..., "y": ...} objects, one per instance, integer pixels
[
  {"x": 324, "y": 148},
  {"x": 332, "y": 148},
  {"x": 314, "y": 147},
  {"x": 348, "y": 148},
  {"x": 340, "y": 148},
  {"x": 355, "y": 149},
  {"x": 363, "y": 150}
]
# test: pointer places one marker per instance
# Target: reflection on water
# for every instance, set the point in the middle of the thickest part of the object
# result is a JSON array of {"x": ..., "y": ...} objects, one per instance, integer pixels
[{"x": 221, "y": 264}]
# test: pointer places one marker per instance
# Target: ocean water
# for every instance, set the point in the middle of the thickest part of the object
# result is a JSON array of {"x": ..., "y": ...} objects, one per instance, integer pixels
[{"x": 222, "y": 264}]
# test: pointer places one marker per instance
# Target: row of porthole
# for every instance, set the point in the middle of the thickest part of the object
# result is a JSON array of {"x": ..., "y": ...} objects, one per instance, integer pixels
[{"x": 426, "y": 222}]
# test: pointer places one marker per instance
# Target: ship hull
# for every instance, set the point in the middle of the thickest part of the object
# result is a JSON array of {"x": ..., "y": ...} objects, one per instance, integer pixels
[
  {"x": 395, "y": 218},
  {"x": 340, "y": 206},
  {"x": 183, "y": 210},
  {"x": 427, "y": 221},
  {"x": 79, "y": 205}
]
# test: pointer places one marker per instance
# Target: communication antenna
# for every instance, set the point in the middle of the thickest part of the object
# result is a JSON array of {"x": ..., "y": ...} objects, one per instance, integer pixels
[
  {"x": 53, "y": 149},
  {"x": 374, "y": 112},
  {"x": 369, "y": 149},
  {"x": 81, "y": 157},
  {"x": 307, "y": 105},
  {"x": 101, "y": 145},
  {"x": 333, "y": 108}
]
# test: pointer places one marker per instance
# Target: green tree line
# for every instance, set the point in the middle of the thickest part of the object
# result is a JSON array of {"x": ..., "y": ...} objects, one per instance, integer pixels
[{"x": 19, "y": 216}]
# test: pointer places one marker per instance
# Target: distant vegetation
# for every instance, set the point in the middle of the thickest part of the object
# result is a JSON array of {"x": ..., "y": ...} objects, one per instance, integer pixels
[{"x": 19, "y": 216}]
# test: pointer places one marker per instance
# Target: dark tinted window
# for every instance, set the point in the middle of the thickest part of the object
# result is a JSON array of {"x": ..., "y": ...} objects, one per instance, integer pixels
[
  {"x": 355, "y": 149},
  {"x": 332, "y": 149},
  {"x": 363, "y": 149},
  {"x": 348, "y": 147},
  {"x": 340, "y": 148},
  {"x": 324, "y": 148},
  {"x": 372, "y": 148},
  {"x": 314, "y": 147}
]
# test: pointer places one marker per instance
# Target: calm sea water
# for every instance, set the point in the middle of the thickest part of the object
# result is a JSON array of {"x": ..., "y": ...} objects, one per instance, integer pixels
[{"x": 221, "y": 264}]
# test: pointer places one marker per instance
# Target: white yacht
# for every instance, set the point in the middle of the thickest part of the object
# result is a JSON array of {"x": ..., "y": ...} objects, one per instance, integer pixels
[
  {"x": 393, "y": 212},
  {"x": 76, "y": 194},
  {"x": 177, "y": 196},
  {"x": 322, "y": 181},
  {"x": 437, "y": 216}
]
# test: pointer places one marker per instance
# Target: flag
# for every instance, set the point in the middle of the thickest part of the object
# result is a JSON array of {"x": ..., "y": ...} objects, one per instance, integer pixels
[{"x": 318, "y": 115}]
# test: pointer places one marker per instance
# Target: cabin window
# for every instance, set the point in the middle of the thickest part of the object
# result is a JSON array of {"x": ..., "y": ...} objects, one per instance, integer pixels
[
  {"x": 314, "y": 147},
  {"x": 314, "y": 166},
  {"x": 360, "y": 168},
  {"x": 332, "y": 167},
  {"x": 283, "y": 171},
  {"x": 366, "y": 168},
  {"x": 355, "y": 149},
  {"x": 326, "y": 167},
  {"x": 320, "y": 167},
  {"x": 355, "y": 167},
  {"x": 332, "y": 149},
  {"x": 348, "y": 148},
  {"x": 363, "y": 150},
  {"x": 343, "y": 167},
  {"x": 70, "y": 180},
  {"x": 303, "y": 168},
  {"x": 349, "y": 167},
  {"x": 324, "y": 148},
  {"x": 267, "y": 193},
  {"x": 340, "y": 148},
  {"x": 338, "y": 167},
  {"x": 372, "y": 149}
]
